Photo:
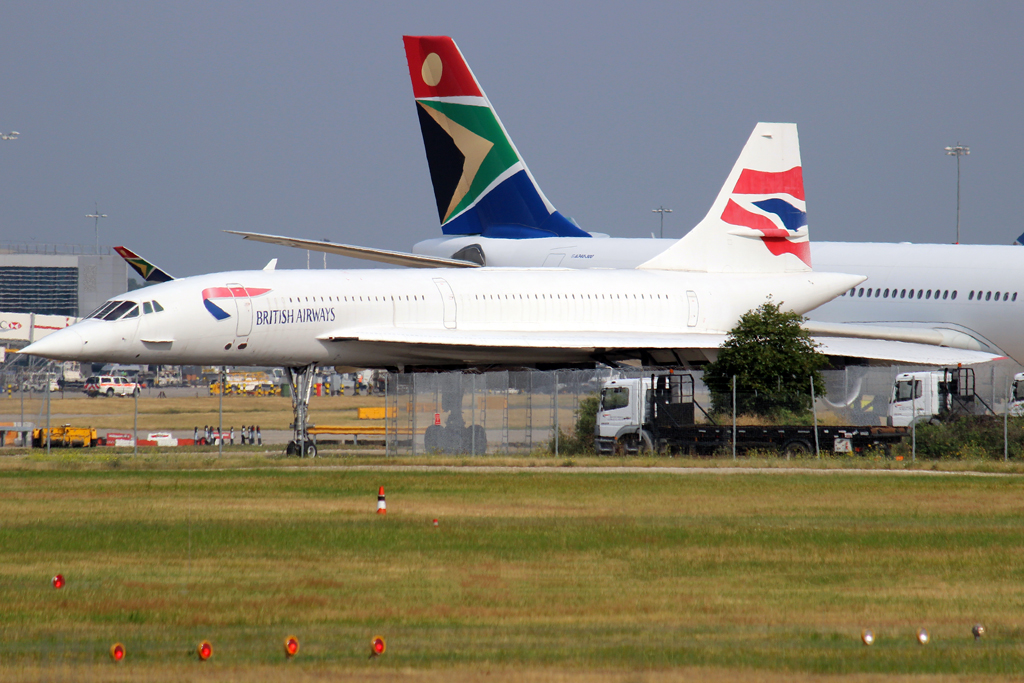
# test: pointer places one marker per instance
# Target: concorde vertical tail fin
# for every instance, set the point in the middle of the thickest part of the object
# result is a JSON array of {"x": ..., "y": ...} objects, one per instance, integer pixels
[
  {"x": 481, "y": 184},
  {"x": 758, "y": 223}
]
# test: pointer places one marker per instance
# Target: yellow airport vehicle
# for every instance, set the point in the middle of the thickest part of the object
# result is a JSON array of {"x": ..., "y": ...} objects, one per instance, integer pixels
[
  {"x": 246, "y": 384},
  {"x": 65, "y": 436}
]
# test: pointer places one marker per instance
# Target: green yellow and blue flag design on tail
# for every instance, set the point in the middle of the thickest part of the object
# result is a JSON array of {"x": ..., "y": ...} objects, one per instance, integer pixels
[{"x": 481, "y": 184}]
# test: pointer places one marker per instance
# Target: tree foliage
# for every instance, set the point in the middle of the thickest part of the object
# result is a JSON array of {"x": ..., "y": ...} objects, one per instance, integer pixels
[
  {"x": 772, "y": 358},
  {"x": 582, "y": 439}
]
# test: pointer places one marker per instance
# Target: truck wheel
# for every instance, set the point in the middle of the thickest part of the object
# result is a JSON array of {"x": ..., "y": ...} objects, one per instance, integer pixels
[
  {"x": 136, "y": 392},
  {"x": 796, "y": 448},
  {"x": 110, "y": 393}
]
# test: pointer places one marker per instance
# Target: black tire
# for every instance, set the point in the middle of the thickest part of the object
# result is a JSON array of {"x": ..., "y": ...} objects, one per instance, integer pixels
[
  {"x": 474, "y": 440},
  {"x": 633, "y": 444},
  {"x": 310, "y": 449},
  {"x": 432, "y": 438},
  {"x": 796, "y": 448},
  {"x": 110, "y": 393},
  {"x": 136, "y": 392},
  {"x": 291, "y": 449},
  {"x": 451, "y": 440}
]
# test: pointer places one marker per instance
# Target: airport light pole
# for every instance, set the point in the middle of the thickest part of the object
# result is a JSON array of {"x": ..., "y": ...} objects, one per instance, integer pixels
[
  {"x": 662, "y": 210},
  {"x": 957, "y": 151},
  {"x": 97, "y": 216}
]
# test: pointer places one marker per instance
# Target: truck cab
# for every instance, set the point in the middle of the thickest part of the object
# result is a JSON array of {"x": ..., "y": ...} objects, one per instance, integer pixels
[
  {"x": 933, "y": 396},
  {"x": 1017, "y": 395},
  {"x": 642, "y": 413}
]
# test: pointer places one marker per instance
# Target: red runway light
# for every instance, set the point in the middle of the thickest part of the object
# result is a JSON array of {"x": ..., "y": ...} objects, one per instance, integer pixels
[
  {"x": 58, "y": 581},
  {"x": 204, "y": 650},
  {"x": 377, "y": 646},
  {"x": 291, "y": 646},
  {"x": 117, "y": 652}
]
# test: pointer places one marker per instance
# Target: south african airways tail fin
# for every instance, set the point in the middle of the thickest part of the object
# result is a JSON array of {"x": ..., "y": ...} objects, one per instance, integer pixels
[
  {"x": 758, "y": 222},
  {"x": 481, "y": 184},
  {"x": 150, "y": 273}
]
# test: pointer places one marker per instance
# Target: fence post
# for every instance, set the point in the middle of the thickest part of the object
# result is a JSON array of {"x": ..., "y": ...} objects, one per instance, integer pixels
[
  {"x": 554, "y": 398},
  {"x": 1006, "y": 420},
  {"x": 734, "y": 417},
  {"x": 47, "y": 416},
  {"x": 913, "y": 419},
  {"x": 814, "y": 412},
  {"x": 135, "y": 424}
]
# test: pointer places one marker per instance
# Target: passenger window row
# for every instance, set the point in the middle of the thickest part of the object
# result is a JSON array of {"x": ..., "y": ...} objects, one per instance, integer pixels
[
  {"x": 569, "y": 297},
  {"x": 878, "y": 292}
]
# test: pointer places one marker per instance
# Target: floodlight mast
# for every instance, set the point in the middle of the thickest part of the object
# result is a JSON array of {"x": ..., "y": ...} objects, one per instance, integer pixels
[
  {"x": 957, "y": 151},
  {"x": 97, "y": 216},
  {"x": 662, "y": 210}
]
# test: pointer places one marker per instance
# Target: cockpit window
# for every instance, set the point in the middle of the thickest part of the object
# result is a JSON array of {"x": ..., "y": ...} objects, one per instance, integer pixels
[
  {"x": 147, "y": 307},
  {"x": 157, "y": 307},
  {"x": 104, "y": 309},
  {"x": 119, "y": 310},
  {"x": 133, "y": 312}
]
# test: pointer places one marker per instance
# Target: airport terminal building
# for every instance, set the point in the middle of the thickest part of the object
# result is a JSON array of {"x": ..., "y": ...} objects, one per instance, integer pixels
[{"x": 64, "y": 279}]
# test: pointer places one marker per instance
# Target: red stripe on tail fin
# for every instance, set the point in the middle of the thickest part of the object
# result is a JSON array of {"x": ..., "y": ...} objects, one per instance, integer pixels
[
  {"x": 438, "y": 69},
  {"x": 789, "y": 182}
]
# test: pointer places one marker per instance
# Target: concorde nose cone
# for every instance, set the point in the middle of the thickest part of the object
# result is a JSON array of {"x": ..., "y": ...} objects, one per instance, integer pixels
[{"x": 63, "y": 344}]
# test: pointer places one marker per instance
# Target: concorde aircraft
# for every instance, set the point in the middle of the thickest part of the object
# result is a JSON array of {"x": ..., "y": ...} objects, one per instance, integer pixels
[
  {"x": 493, "y": 213},
  {"x": 676, "y": 311}
]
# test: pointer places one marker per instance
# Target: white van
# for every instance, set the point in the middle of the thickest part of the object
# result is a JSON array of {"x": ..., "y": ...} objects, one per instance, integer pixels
[{"x": 107, "y": 385}]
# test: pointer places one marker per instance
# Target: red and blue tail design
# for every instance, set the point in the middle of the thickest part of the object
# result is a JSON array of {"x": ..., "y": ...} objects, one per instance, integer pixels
[
  {"x": 758, "y": 223},
  {"x": 481, "y": 184}
]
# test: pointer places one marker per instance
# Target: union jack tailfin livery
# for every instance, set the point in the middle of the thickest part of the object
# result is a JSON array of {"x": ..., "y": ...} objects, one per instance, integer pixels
[
  {"x": 758, "y": 223},
  {"x": 481, "y": 184}
]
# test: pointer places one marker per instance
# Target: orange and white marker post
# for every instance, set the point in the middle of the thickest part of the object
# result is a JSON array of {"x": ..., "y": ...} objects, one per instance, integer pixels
[{"x": 382, "y": 506}]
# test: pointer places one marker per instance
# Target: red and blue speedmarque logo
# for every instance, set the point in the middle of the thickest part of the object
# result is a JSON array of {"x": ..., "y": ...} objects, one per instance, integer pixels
[
  {"x": 228, "y": 293},
  {"x": 778, "y": 219}
]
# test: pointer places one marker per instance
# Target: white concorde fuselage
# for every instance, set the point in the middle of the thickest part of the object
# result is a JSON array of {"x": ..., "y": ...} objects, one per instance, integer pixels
[
  {"x": 296, "y": 317},
  {"x": 892, "y": 270}
]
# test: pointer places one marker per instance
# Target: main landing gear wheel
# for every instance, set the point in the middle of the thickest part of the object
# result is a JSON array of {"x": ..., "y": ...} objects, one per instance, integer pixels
[{"x": 295, "y": 448}]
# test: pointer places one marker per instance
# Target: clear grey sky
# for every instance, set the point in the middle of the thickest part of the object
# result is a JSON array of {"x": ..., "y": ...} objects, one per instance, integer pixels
[{"x": 185, "y": 118}]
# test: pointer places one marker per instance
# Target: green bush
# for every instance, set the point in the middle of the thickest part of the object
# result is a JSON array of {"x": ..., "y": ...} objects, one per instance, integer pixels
[
  {"x": 581, "y": 441},
  {"x": 969, "y": 438}
]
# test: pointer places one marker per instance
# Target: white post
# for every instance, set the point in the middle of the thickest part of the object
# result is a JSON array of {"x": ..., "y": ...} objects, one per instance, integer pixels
[
  {"x": 913, "y": 419},
  {"x": 1006, "y": 419},
  {"x": 814, "y": 412},
  {"x": 135, "y": 424},
  {"x": 555, "y": 398},
  {"x": 734, "y": 417},
  {"x": 47, "y": 390}
]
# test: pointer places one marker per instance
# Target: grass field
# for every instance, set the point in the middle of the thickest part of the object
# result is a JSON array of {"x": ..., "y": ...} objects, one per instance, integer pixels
[{"x": 529, "y": 575}]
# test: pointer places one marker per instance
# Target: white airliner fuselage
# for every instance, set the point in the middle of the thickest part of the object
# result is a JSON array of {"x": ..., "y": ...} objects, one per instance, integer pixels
[
  {"x": 412, "y": 317},
  {"x": 892, "y": 270}
]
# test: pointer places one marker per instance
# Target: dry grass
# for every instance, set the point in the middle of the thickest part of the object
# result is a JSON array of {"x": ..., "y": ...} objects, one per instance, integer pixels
[
  {"x": 529, "y": 576},
  {"x": 270, "y": 412}
]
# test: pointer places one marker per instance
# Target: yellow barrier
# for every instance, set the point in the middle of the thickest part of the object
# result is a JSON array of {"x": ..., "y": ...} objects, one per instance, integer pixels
[{"x": 375, "y": 413}]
